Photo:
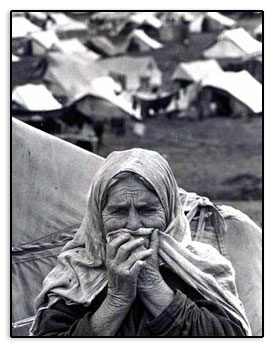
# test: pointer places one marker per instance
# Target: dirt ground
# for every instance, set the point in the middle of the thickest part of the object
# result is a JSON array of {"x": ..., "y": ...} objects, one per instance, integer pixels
[{"x": 220, "y": 158}]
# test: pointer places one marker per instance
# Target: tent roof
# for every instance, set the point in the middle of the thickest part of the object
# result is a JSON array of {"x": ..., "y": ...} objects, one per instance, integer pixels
[
  {"x": 233, "y": 43},
  {"x": 241, "y": 85},
  {"x": 223, "y": 20},
  {"x": 71, "y": 46},
  {"x": 63, "y": 22},
  {"x": 109, "y": 16},
  {"x": 258, "y": 29},
  {"x": 84, "y": 67},
  {"x": 195, "y": 71},
  {"x": 15, "y": 58},
  {"x": 35, "y": 97},
  {"x": 88, "y": 78},
  {"x": 45, "y": 199},
  {"x": 120, "y": 44},
  {"x": 242, "y": 39},
  {"x": 151, "y": 43},
  {"x": 146, "y": 18},
  {"x": 49, "y": 40},
  {"x": 128, "y": 64},
  {"x": 105, "y": 87},
  {"x": 39, "y": 15},
  {"x": 105, "y": 45},
  {"x": 45, "y": 38},
  {"x": 21, "y": 27}
]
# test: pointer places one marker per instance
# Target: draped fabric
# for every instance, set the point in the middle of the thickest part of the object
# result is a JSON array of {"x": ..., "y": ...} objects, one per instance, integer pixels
[{"x": 80, "y": 273}]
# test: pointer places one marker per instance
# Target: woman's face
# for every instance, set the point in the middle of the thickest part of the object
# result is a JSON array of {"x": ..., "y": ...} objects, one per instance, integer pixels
[{"x": 132, "y": 206}]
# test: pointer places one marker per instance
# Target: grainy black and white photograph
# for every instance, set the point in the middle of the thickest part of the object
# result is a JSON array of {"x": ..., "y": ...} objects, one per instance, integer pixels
[{"x": 136, "y": 173}]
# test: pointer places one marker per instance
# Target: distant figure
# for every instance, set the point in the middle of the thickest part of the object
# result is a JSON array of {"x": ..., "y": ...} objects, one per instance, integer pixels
[{"x": 99, "y": 129}]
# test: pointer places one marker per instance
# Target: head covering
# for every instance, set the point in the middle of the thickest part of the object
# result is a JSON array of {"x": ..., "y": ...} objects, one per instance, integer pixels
[{"x": 80, "y": 273}]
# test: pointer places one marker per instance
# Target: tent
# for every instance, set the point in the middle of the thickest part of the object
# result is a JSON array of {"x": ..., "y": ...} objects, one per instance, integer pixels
[
  {"x": 241, "y": 85},
  {"x": 47, "y": 206},
  {"x": 50, "y": 180},
  {"x": 15, "y": 59},
  {"x": 146, "y": 18},
  {"x": 35, "y": 105},
  {"x": 21, "y": 26},
  {"x": 200, "y": 21},
  {"x": 137, "y": 40},
  {"x": 38, "y": 18},
  {"x": 233, "y": 43},
  {"x": 195, "y": 71},
  {"x": 43, "y": 41},
  {"x": 107, "y": 47},
  {"x": 258, "y": 32},
  {"x": 26, "y": 70},
  {"x": 66, "y": 27},
  {"x": 35, "y": 98},
  {"x": 216, "y": 21},
  {"x": 71, "y": 74},
  {"x": 48, "y": 41},
  {"x": 73, "y": 46},
  {"x": 142, "y": 42},
  {"x": 88, "y": 78},
  {"x": 130, "y": 71},
  {"x": 107, "y": 89}
]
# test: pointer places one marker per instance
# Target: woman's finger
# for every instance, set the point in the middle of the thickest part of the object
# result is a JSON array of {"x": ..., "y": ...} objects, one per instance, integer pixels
[
  {"x": 136, "y": 256},
  {"x": 124, "y": 250},
  {"x": 136, "y": 268},
  {"x": 154, "y": 243},
  {"x": 112, "y": 247}
]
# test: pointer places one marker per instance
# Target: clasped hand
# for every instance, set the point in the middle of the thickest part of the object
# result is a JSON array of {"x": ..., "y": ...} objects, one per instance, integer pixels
[{"x": 131, "y": 268}]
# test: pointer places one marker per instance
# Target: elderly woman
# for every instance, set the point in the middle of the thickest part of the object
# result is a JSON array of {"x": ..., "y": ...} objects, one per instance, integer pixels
[{"x": 132, "y": 269}]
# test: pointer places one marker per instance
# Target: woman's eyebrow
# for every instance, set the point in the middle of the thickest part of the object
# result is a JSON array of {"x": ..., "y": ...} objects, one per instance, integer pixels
[{"x": 114, "y": 206}]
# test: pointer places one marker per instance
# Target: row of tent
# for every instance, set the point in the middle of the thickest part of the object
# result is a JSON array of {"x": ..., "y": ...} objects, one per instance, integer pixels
[
  {"x": 119, "y": 79},
  {"x": 199, "y": 75},
  {"x": 230, "y": 43},
  {"x": 100, "y": 80}
]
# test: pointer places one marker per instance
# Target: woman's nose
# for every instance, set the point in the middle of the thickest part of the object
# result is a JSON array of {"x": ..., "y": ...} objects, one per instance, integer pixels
[{"x": 133, "y": 222}]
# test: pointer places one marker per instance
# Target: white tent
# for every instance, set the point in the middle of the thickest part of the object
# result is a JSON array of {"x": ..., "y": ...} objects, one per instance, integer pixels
[
  {"x": 43, "y": 41},
  {"x": 38, "y": 18},
  {"x": 62, "y": 21},
  {"x": 220, "y": 20},
  {"x": 196, "y": 19},
  {"x": 105, "y": 87},
  {"x": 241, "y": 85},
  {"x": 146, "y": 18},
  {"x": 21, "y": 27},
  {"x": 71, "y": 46},
  {"x": 35, "y": 98},
  {"x": 258, "y": 32},
  {"x": 145, "y": 41},
  {"x": 195, "y": 71},
  {"x": 15, "y": 58},
  {"x": 47, "y": 40},
  {"x": 133, "y": 69},
  {"x": 233, "y": 43}
]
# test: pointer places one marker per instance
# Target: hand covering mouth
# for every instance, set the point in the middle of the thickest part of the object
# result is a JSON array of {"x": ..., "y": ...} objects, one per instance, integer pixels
[{"x": 141, "y": 232}]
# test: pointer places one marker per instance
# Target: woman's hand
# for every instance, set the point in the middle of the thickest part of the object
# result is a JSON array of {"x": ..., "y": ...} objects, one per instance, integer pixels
[
  {"x": 150, "y": 277},
  {"x": 153, "y": 290},
  {"x": 124, "y": 261}
]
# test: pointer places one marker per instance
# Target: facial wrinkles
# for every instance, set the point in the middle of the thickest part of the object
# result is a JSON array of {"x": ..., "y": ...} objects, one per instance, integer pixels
[{"x": 130, "y": 204}]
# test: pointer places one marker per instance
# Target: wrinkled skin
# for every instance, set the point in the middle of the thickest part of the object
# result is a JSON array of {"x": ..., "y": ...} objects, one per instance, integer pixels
[{"x": 132, "y": 262}]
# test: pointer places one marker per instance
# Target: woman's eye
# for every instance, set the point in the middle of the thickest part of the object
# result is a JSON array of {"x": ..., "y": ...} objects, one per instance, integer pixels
[
  {"x": 147, "y": 211},
  {"x": 120, "y": 211}
]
